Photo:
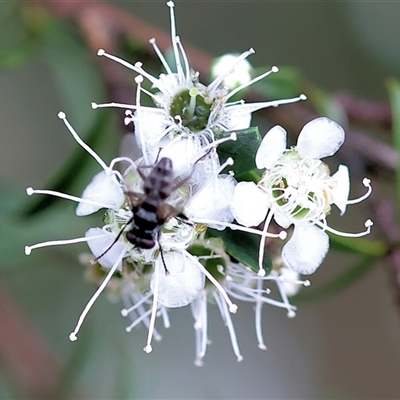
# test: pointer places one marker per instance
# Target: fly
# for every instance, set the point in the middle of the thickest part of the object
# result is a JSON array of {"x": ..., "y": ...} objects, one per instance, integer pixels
[{"x": 150, "y": 210}]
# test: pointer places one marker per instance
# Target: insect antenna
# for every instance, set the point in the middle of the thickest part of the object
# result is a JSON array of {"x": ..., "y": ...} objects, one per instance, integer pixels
[{"x": 95, "y": 260}]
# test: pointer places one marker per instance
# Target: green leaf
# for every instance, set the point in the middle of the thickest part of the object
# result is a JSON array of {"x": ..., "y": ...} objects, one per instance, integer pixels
[
  {"x": 374, "y": 248},
  {"x": 242, "y": 246},
  {"x": 335, "y": 285},
  {"x": 393, "y": 86},
  {"x": 242, "y": 151}
]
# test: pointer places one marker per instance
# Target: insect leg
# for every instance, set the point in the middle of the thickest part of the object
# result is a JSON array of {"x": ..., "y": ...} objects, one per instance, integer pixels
[
  {"x": 94, "y": 261},
  {"x": 162, "y": 252}
]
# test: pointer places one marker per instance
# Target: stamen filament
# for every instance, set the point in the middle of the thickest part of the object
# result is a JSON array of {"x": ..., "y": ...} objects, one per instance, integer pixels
[
  {"x": 258, "y": 315},
  {"x": 138, "y": 320},
  {"x": 367, "y": 184},
  {"x": 274, "y": 69},
  {"x": 63, "y": 117},
  {"x": 368, "y": 224},
  {"x": 228, "y": 321},
  {"x": 30, "y": 191},
  {"x": 28, "y": 249},
  {"x": 232, "y": 307},
  {"x": 160, "y": 56},
  {"x": 281, "y": 235},
  {"x": 148, "y": 348},
  {"x": 251, "y": 107},
  {"x": 89, "y": 305},
  {"x": 261, "y": 270},
  {"x": 219, "y": 79},
  {"x": 139, "y": 80}
]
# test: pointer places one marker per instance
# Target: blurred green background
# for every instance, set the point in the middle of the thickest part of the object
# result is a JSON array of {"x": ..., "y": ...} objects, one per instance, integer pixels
[{"x": 346, "y": 346}]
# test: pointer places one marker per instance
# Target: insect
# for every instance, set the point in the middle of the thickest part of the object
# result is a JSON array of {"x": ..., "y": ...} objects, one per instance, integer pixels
[{"x": 150, "y": 210}]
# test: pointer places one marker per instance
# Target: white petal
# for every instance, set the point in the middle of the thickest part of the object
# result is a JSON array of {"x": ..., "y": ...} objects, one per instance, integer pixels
[
  {"x": 320, "y": 138},
  {"x": 213, "y": 201},
  {"x": 103, "y": 189},
  {"x": 183, "y": 153},
  {"x": 98, "y": 246},
  {"x": 306, "y": 249},
  {"x": 342, "y": 189},
  {"x": 182, "y": 285},
  {"x": 151, "y": 122},
  {"x": 271, "y": 148},
  {"x": 249, "y": 205},
  {"x": 236, "y": 118}
]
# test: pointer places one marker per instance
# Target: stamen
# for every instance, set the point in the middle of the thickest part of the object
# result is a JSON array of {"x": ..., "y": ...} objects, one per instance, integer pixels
[
  {"x": 127, "y": 159},
  {"x": 215, "y": 143},
  {"x": 28, "y": 249},
  {"x": 258, "y": 315},
  {"x": 368, "y": 224},
  {"x": 261, "y": 270},
  {"x": 274, "y": 69},
  {"x": 126, "y": 311},
  {"x": 137, "y": 67},
  {"x": 367, "y": 183},
  {"x": 291, "y": 313},
  {"x": 185, "y": 59},
  {"x": 165, "y": 317},
  {"x": 232, "y": 307},
  {"x": 63, "y": 117},
  {"x": 281, "y": 235},
  {"x": 160, "y": 56},
  {"x": 148, "y": 348},
  {"x": 89, "y": 305},
  {"x": 113, "y": 104},
  {"x": 179, "y": 69},
  {"x": 199, "y": 312},
  {"x": 30, "y": 191},
  {"x": 219, "y": 79},
  {"x": 139, "y": 80},
  {"x": 227, "y": 318},
  {"x": 251, "y": 107},
  {"x": 138, "y": 320}
]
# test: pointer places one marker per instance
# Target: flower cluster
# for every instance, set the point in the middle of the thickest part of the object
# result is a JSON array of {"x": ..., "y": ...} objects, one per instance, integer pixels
[{"x": 154, "y": 251}]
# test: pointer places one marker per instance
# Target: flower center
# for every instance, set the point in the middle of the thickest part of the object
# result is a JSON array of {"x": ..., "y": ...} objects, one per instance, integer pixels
[
  {"x": 193, "y": 109},
  {"x": 299, "y": 188}
]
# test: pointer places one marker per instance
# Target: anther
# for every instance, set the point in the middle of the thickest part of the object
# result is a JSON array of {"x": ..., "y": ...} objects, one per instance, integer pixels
[
  {"x": 291, "y": 314},
  {"x": 275, "y": 69},
  {"x": 94, "y": 105},
  {"x": 368, "y": 223},
  {"x": 148, "y": 349},
  {"x": 282, "y": 235},
  {"x": 61, "y": 115},
  {"x": 139, "y": 79},
  {"x": 302, "y": 97},
  {"x": 28, "y": 250},
  {"x": 233, "y": 308},
  {"x": 124, "y": 312},
  {"x": 73, "y": 337},
  {"x": 30, "y": 191},
  {"x": 100, "y": 52}
]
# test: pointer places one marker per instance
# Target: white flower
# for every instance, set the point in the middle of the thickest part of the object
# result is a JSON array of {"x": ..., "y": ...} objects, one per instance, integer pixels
[
  {"x": 184, "y": 106},
  {"x": 297, "y": 189}
]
